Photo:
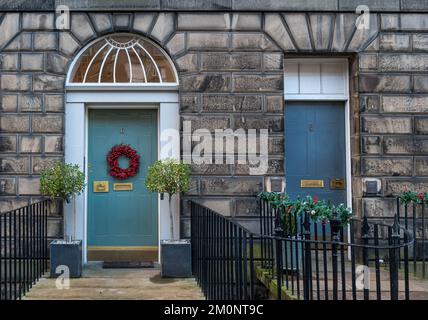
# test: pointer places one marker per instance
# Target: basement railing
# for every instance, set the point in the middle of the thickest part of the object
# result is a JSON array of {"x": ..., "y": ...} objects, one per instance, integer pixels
[
  {"x": 24, "y": 249},
  {"x": 310, "y": 261},
  {"x": 413, "y": 217}
]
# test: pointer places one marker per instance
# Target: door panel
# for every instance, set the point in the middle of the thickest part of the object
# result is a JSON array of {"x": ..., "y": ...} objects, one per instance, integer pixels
[
  {"x": 121, "y": 218},
  {"x": 315, "y": 148}
]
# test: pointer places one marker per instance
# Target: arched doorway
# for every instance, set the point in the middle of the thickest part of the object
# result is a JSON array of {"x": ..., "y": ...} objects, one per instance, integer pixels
[{"x": 120, "y": 89}]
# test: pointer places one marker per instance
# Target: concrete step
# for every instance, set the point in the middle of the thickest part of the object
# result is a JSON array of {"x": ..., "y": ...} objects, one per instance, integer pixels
[
  {"x": 97, "y": 283},
  {"x": 91, "y": 293}
]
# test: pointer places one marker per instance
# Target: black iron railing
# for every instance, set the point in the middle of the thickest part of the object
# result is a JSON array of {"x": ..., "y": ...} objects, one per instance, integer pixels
[
  {"x": 302, "y": 259},
  {"x": 222, "y": 255},
  {"x": 413, "y": 217},
  {"x": 24, "y": 249},
  {"x": 314, "y": 260}
]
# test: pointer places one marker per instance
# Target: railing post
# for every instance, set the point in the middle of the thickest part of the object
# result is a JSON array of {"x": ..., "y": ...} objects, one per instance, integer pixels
[
  {"x": 15, "y": 241},
  {"x": 204, "y": 242},
  {"x": 414, "y": 237},
  {"x": 262, "y": 243},
  {"x": 423, "y": 239},
  {"x": 252, "y": 296},
  {"x": 307, "y": 278},
  {"x": 278, "y": 227},
  {"x": 335, "y": 229},
  {"x": 10, "y": 255},
  {"x": 270, "y": 242},
  {"x": 394, "y": 259},
  {"x": 278, "y": 234},
  {"x": 192, "y": 234},
  {"x": 1, "y": 258},
  {"x": 365, "y": 237}
]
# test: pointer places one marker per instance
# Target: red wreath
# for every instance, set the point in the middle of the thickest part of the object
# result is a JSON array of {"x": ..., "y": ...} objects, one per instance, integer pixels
[{"x": 113, "y": 161}]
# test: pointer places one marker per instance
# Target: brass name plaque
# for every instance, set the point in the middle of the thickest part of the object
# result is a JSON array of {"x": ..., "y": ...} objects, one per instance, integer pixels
[
  {"x": 123, "y": 186},
  {"x": 311, "y": 183},
  {"x": 100, "y": 186},
  {"x": 337, "y": 184}
]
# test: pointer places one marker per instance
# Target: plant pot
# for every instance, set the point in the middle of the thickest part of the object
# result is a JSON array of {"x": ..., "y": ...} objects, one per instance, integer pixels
[
  {"x": 66, "y": 253},
  {"x": 176, "y": 259}
]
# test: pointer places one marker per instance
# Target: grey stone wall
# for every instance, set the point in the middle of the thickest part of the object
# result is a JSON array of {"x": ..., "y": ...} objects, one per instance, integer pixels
[
  {"x": 32, "y": 70},
  {"x": 394, "y": 105},
  {"x": 231, "y": 76},
  {"x": 219, "y": 5}
]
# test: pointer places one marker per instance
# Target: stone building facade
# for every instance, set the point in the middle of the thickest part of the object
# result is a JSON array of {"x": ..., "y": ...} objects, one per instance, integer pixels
[{"x": 230, "y": 59}]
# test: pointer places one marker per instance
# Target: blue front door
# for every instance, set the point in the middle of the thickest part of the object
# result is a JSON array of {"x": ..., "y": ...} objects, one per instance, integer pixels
[
  {"x": 315, "y": 150},
  {"x": 125, "y": 218}
]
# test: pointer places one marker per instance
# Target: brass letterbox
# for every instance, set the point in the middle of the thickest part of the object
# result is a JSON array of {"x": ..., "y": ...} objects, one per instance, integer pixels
[
  {"x": 311, "y": 183},
  {"x": 100, "y": 186},
  {"x": 337, "y": 184},
  {"x": 123, "y": 186}
]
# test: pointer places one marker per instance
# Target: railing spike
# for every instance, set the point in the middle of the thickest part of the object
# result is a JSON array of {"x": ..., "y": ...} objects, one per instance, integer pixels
[
  {"x": 396, "y": 225},
  {"x": 365, "y": 228}
]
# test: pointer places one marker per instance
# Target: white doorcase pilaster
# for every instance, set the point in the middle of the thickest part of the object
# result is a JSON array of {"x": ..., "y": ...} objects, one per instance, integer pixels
[{"x": 76, "y": 146}]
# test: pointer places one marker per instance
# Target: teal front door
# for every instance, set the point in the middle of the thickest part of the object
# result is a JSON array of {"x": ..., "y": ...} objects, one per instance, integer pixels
[
  {"x": 315, "y": 150},
  {"x": 122, "y": 214}
]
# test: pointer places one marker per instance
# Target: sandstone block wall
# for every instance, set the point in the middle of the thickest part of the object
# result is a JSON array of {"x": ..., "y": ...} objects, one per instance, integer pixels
[{"x": 230, "y": 66}]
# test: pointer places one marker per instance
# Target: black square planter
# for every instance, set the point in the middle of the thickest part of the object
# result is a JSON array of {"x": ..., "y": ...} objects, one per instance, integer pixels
[
  {"x": 68, "y": 254},
  {"x": 176, "y": 259}
]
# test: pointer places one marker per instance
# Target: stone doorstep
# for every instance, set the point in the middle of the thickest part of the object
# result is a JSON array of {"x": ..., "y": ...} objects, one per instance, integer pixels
[
  {"x": 123, "y": 283},
  {"x": 139, "y": 291},
  {"x": 111, "y": 294},
  {"x": 98, "y": 283}
]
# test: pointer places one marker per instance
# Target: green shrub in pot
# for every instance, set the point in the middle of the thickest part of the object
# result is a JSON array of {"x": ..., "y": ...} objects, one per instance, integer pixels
[
  {"x": 168, "y": 176},
  {"x": 64, "y": 181}
]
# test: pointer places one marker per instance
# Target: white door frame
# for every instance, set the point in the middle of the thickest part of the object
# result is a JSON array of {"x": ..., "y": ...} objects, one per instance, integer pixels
[
  {"x": 76, "y": 144},
  {"x": 342, "y": 96}
]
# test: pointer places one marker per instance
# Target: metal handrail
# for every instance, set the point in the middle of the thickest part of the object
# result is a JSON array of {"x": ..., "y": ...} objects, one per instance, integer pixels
[
  {"x": 357, "y": 245},
  {"x": 259, "y": 235},
  {"x": 227, "y": 218}
]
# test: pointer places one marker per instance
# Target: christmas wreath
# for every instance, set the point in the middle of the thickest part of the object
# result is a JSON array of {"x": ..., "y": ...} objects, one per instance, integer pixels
[{"x": 113, "y": 161}]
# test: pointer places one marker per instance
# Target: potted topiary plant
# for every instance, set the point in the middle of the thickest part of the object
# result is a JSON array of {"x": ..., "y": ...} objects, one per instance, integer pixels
[
  {"x": 171, "y": 177},
  {"x": 64, "y": 181}
]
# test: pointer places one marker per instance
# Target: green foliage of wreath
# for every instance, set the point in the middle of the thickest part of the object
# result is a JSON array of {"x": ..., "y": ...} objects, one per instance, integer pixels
[
  {"x": 319, "y": 211},
  {"x": 409, "y": 196}
]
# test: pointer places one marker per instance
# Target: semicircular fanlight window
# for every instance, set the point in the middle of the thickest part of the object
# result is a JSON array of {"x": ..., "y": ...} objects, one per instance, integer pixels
[{"x": 123, "y": 59}]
